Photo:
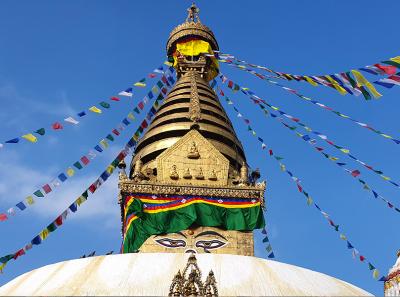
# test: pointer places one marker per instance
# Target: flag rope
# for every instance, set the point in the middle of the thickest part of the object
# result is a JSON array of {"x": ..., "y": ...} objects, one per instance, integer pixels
[
  {"x": 161, "y": 86},
  {"x": 310, "y": 201},
  {"x": 58, "y": 126},
  {"x": 257, "y": 100},
  {"x": 55, "y": 224}
]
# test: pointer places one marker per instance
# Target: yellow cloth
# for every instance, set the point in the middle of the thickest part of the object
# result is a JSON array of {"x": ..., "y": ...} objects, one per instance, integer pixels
[
  {"x": 30, "y": 137},
  {"x": 70, "y": 171},
  {"x": 310, "y": 81},
  {"x": 95, "y": 109},
  {"x": 362, "y": 81},
  {"x": 43, "y": 235},
  {"x": 396, "y": 59},
  {"x": 30, "y": 200},
  {"x": 336, "y": 85},
  {"x": 131, "y": 116},
  {"x": 139, "y": 84},
  {"x": 195, "y": 48}
]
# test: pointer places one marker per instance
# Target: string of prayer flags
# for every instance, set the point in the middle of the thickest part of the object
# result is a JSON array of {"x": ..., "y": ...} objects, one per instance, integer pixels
[
  {"x": 342, "y": 82},
  {"x": 323, "y": 106},
  {"x": 268, "y": 247},
  {"x": 74, "y": 206},
  {"x": 83, "y": 161},
  {"x": 58, "y": 126},
  {"x": 311, "y": 202},
  {"x": 259, "y": 101}
]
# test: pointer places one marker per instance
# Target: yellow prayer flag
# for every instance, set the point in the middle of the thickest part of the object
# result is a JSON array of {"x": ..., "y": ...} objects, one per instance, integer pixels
[
  {"x": 333, "y": 158},
  {"x": 131, "y": 116},
  {"x": 139, "y": 84},
  {"x": 283, "y": 167},
  {"x": 310, "y": 81},
  {"x": 396, "y": 59},
  {"x": 154, "y": 89},
  {"x": 2, "y": 267},
  {"x": 343, "y": 237},
  {"x": 387, "y": 136},
  {"x": 336, "y": 85},
  {"x": 254, "y": 133},
  {"x": 95, "y": 109},
  {"x": 30, "y": 137},
  {"x": 309, "y": 201},
  {"x": 275, "y": 108},
  {"x": 110, "y": 169},
  {"x": 168, "y": 63},
  {"x": 362, "y": 81},
  {"x": 70, "y": 171},
  {"x": 375, "y": 274},
  {"x": 80, "y": 200},
  {"x": 385, "y": 177},
  {"x": 104, "y": 143},
  {"x": 30, "y": 200},
  {"x": 346, "y": 151},
  {"x": 43, "y": 235}
]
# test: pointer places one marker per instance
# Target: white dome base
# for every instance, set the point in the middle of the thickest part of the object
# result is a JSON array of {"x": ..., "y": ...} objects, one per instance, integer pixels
[{"x": 147, "y": 274}]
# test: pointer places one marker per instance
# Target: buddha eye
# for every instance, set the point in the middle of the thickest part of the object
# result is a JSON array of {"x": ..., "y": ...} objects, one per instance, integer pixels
[
  {"x": 171, "y": 243},
  {"x": 210, "y": 244}
]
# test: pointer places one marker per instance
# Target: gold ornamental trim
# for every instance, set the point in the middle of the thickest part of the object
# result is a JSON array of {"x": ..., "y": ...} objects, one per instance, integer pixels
[{"x": 170, "y": 189}]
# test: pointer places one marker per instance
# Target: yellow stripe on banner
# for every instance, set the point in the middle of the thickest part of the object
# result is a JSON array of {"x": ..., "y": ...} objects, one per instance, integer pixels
[
  {"x": 336, "y": 85},
  {"x": 201, "y": 201},
  {"x": 129, "y": 224},
  {"x": 362, "y": 81},
  {"x": 310, "y": 81}
]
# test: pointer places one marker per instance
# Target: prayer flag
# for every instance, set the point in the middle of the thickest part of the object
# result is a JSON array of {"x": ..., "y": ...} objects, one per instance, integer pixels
[
  {"x": 92, "y": 188},
  {"x": 30, "y": 200},
  {"x": 46, "y": 188},
  {"x": 62, "y": 177},
  {"x": 375, "y": 273},
  {"x": 110, "y": 137},
  {"x": 73, "y": 207},
  {"x": 57, "y": 126},
  {"x": 51, "y": 227},
  {"x": 127, "y": 93},
  {"x": 98, "y": 148},
  {"x": 139, "y": 84},
  {"x": 43, "y": 235},
  {"x": 105, "y": 104},
  {"x": 362, "y": 81},
  {"x": 81, "y": 114},
  {"x": 115, "y": 131},
  {"x": 37, "y": 240},
  {"x": 131, "y": 116},
  {"x": 355, "y": 173},
  {"x": 30, "y": 137},
  {"x": 104, "y": 143},
  {"x": 14, "y": 140},
  {"x": 70, "y": 172},
  {"x": 21, "y": 205},
  {"x": 78, "y": 165},
  {"x": 114, "y": 98},
  {"x": 38, "y": 193},
  {"x": 59, "y": 221},
  {"x": 71, "y": 120},
  {"x": 125, "y": 122},
  {"x": 95, "y": 109},
  {"x": 85, "y": 160},
  {"x": 41, "y": 131}
]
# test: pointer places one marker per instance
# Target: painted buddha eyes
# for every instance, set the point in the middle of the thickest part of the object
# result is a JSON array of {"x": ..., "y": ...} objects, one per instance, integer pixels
[
  {"x": 171, "y": 243},
  {"x": 210, "y": 244}
]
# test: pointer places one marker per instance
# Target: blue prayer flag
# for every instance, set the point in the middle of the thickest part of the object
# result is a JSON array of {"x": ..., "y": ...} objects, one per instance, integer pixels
[
  {"x": 62, "y": 177},
  {"x": 21, "y": 205}
]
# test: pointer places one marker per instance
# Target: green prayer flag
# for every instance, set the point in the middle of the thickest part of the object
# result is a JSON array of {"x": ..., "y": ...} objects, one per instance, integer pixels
[
  {"x": 51, "y": 227},
  {"x": 269, "y": 248},
  {"x": 136, "y": 110},
  {"x": 160, "y": 84},
  {"x": 278, "y": 158},
  {"x": 41, "y": 131},
  {"x": 38, "y": 193},
  {"x": 110, "y": 137},
  {"x": 85, "y": 194},
  {"x": 78, "y": 165},
  {"x": 370, "y": 266},
  {"x": 105, "y": 104}
]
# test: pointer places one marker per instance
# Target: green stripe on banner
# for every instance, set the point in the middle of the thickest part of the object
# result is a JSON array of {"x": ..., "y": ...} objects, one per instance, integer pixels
[{"x": 175, "y": 220}]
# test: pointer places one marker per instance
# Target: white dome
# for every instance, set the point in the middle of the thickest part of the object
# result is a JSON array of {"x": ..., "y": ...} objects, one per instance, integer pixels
[{"x": 149, "y": 274}]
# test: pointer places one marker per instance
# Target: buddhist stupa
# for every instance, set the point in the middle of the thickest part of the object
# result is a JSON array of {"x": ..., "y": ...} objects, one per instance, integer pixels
[{"x": 189, "y": 205}]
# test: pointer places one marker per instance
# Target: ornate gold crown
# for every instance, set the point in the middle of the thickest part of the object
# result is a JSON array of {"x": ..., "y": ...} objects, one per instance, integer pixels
[{"x": 191, "y": 28}]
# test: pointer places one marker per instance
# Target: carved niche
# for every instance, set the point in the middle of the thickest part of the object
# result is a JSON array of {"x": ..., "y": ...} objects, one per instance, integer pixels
[{"x": 192, "y": 160}]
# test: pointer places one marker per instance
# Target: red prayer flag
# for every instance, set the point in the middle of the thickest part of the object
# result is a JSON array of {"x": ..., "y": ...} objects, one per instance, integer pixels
[
  {"x": 141, "y": 105},
  {"x": 362, "y": 258},
  {"x": 3, "y": 217},
  {"x": 387, "y": 69},
  {"x": 300, "y": 188},
  {"x": 270, "y": 152},
  {"x": 57, "y": 126},
  {"x": 85, "y": 160},
  {"x": 19, "y": 253},
  {"x": 92, "y": 188},
  {"x": 152, "y": 75},
  {"x": 115, "y": 98},
  {"x": 144, "y": 124},
  {"x": 59, "y": 221},
  {"x": 116, "y": 132},
  {"x": 230, "y": 84},
  {"x": 46, "y": 188},
  {"x": 221, "y": 92},
  {"x": 355, "y": 173},
  {"x": 319, "y": 148},
  {"x": 164, "y": 91}
]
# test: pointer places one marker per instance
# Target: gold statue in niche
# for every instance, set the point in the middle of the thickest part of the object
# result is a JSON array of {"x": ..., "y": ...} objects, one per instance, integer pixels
[
  {"x": 200, "y": 175},
  {"x": 193, "y": 151},
  {"x": 213, "y": 175},
  {"x": 187, "y": 174},
  {"x": 174, "y": 174}
]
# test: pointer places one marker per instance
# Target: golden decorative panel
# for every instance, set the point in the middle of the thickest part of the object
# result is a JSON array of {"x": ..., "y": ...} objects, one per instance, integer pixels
[{"x": 192, "y": 160}]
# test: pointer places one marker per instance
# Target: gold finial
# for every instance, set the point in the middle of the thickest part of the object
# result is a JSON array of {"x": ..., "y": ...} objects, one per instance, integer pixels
[{"x": 193, "y": 14}]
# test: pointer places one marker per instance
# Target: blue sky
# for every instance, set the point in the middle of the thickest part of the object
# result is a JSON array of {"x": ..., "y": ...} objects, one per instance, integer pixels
[{"x": 57, "y": 58}]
